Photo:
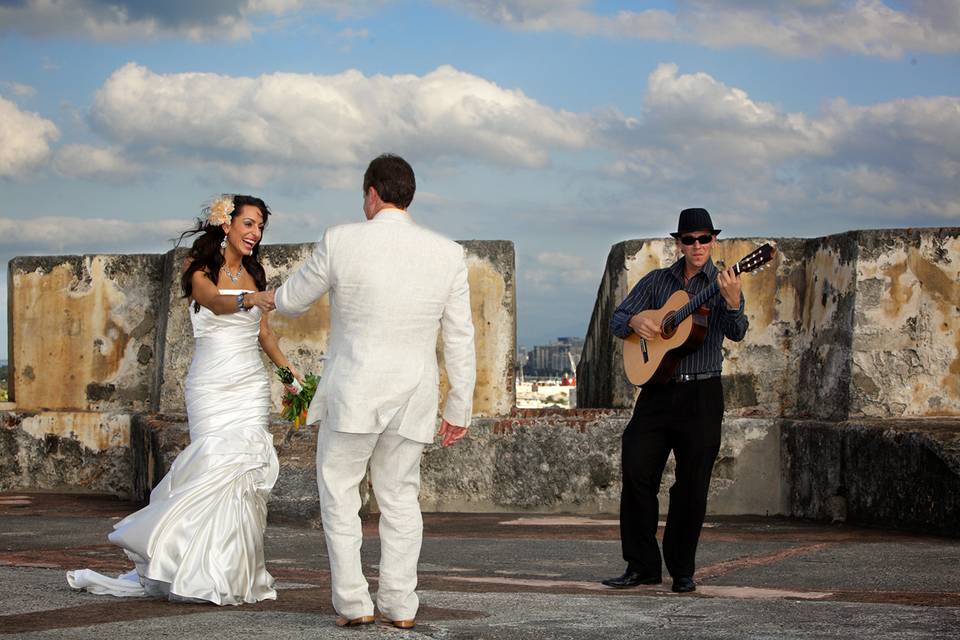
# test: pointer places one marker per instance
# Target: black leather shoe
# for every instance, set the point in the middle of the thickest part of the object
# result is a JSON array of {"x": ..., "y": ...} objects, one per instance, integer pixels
[
  {"x": 683, "y": 584},
  {"x": 631, "y": 579}
]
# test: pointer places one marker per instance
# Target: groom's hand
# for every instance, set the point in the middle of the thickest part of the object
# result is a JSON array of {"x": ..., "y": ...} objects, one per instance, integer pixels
[
  {"x": 450, "y": 433},
  {"x": 262, "y": 299}
]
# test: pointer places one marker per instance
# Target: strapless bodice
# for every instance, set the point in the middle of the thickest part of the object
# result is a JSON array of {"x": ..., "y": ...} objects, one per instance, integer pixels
[{"x": 232, "y": 327}]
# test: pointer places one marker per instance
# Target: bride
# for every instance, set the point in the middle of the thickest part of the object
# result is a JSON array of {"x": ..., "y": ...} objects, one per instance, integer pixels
[{"x": 201, "y": 536}]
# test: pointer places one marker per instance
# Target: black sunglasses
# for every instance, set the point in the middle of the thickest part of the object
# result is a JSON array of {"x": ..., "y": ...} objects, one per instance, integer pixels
[{"x": 704, "y": 239}]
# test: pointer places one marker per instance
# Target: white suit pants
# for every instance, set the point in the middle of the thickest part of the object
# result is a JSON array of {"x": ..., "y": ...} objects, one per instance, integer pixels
[{"x": 395, "y": 473}]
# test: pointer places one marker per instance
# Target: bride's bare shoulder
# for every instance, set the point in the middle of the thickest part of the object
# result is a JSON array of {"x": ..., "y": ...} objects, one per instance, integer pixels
[{"x": 203, "y": 271}]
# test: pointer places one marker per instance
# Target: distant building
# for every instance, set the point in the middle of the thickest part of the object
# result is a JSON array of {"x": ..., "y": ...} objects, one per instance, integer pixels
[{"x": 552, "y": 360}]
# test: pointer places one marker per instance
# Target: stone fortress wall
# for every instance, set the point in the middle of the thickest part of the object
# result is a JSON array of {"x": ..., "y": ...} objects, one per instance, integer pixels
[
  {"x": 99, "y": 346},
  {"x": 842, "y": 401},
  {"x": 861, "y": 324}
]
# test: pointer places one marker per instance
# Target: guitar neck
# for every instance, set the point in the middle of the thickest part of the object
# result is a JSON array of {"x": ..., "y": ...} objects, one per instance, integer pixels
[
  {"x": 698, "y": 301},
  {"x": 695, "y": 303}
]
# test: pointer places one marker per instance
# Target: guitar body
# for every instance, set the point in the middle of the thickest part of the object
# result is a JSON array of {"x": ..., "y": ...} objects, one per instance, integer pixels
[{"x": 656, "y": 359}]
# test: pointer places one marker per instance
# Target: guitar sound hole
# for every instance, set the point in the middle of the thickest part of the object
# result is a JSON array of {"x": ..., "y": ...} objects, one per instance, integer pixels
[{"x": 667, "y": 329}]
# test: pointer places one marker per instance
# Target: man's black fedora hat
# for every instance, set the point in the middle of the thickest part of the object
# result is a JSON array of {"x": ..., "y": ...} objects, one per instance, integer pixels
[{"x": 694, "y": 220}]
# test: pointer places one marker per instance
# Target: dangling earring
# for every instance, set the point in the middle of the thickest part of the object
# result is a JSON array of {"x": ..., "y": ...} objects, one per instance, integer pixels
[{"x": 223, "y": 243}]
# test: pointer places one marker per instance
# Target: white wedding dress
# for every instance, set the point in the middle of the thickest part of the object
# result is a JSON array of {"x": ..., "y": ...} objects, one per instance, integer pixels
[{"x": 201, "y": 536}]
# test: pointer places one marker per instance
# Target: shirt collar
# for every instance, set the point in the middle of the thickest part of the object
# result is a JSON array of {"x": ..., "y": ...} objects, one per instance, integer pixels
[
  {"x": 709, "y": 269},
  {"x": 392, "y": 215}
]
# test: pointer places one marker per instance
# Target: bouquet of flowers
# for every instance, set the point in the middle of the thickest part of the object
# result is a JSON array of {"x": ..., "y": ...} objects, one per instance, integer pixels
[{"x": 295, "y": 405}]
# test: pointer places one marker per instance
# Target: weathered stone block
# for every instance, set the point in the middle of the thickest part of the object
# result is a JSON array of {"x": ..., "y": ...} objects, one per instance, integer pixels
[
  {"x": 304, "y": 339},
  {"x": 906, "y": 335},
  {"x": 82, "y": 331},
  {"x": 892, "y": 473},
  {"x": 825, "y": 327},
  {"x": 66, "y": 451},
  {"x": 760, "y": 369},
  {"x": 864, "y": 323},
  {"x": 530, "y": 461},
  {"x": 491, "y": 266},
  {"x": 601, "y": 382},
  {"x": 569, "y": 461},
  {"x": 546, "y": 460},
  {"x": 747, "y": 476}
]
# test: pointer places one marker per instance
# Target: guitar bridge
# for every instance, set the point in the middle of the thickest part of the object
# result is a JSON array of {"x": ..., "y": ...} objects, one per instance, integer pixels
[{"x": 643, "y": 348}]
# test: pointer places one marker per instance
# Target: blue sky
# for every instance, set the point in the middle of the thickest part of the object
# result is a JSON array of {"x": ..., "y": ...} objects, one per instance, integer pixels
[{"x": 564, "y": 125}]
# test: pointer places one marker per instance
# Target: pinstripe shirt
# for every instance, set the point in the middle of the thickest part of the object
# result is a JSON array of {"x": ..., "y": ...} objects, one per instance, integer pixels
[{"x": 653, "y": 291}]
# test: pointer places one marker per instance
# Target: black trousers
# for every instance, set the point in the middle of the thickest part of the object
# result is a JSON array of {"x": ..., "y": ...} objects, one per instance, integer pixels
[{"x": 684, "y": 417}]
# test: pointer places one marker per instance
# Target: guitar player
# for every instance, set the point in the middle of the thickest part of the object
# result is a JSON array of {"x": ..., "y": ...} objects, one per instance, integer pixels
[{"x": 682, "y": 415}]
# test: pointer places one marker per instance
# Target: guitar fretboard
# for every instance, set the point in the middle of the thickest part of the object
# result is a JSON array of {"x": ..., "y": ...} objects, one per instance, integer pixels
[{"x": 695, "y": 303}]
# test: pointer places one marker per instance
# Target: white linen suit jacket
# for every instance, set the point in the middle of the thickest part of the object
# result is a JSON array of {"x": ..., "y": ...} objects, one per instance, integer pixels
[{"x": 393, "y": 286}]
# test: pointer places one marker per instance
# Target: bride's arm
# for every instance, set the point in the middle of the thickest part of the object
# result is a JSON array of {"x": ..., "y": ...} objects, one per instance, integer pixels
[
  {"x": 207, "y": 294},
  {"x": 271, "y": 346}
]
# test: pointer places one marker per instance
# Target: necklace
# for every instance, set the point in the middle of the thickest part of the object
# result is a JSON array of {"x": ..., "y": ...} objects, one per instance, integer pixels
[{"x": 233, "y": 278}]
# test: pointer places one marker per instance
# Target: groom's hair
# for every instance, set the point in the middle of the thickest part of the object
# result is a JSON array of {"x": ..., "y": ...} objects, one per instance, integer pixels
[{"x": 392, "y": 177}]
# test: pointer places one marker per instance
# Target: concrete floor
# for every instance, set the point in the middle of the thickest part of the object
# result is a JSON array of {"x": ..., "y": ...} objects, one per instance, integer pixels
[{"x": 506, "y": 576}]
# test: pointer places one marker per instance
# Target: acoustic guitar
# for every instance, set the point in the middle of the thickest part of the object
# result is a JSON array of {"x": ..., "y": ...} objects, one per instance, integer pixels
[{"x": 683, "y": 327}]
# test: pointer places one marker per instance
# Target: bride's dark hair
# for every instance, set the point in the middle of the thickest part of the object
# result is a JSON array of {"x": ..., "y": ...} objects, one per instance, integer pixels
[{"x": 205, "y": 253}]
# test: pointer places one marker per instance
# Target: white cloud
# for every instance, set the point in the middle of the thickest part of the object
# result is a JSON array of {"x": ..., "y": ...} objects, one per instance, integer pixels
[
  {"x": 55, "y": 234},
  {"x": 25, "y": 140},
  {"x": 19, "y": 90},
  {"x": 696, "y": 139},
  {"x": 95, "y": 163},
  {"x": 787, "y": 27},
  {"x": 349, "y": 36},
  {"x": 122, "y": 20},
  {"x": 909, "y": 127},
  {"x": 706, "y": 142},
  {"x": 866, "y": 27},
  {"x": 895, "y": 159},
  {"x": 571, "y": 16},
  {"x": 354, "y": 34},
  {"x": 800, "y": 28},
  {"x": 260, "y": 127},
  {"x": 695, "y": 129},
  {"x": 556, "y": 270},
  {"x": 117, "y": 21}
]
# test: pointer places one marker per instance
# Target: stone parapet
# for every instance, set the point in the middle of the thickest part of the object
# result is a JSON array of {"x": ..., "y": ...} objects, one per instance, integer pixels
[
  {"x": 891, "y": 473},
  {"x": 304, "y": 338},
  {"x": 895, "y": 473},
  {"x": 66, "y": 451},
  {"x": 555, "y": 461},
  {"x": 113, "y": 332},
  {"x": 864, "y": 323},
  {"x": 842, "y": 401},
  {"x": 906, "y": 335},
  {"x": 83, "y": 331},
  {"x": 550, "y": 460},
  {"x": 536, "y": 461},
  {"x": 758, "y": 371}
]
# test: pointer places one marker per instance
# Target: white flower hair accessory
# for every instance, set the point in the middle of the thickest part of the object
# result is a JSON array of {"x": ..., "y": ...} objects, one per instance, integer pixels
[{"x": 218, "y": 212}]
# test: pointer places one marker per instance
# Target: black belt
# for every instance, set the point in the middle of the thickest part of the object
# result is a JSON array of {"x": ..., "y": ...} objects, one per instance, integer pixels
[{"x": 689, "y": 377}]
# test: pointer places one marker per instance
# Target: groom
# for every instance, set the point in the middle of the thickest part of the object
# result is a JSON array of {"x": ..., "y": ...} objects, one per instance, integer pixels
[{"x": 393, "y": 286}]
